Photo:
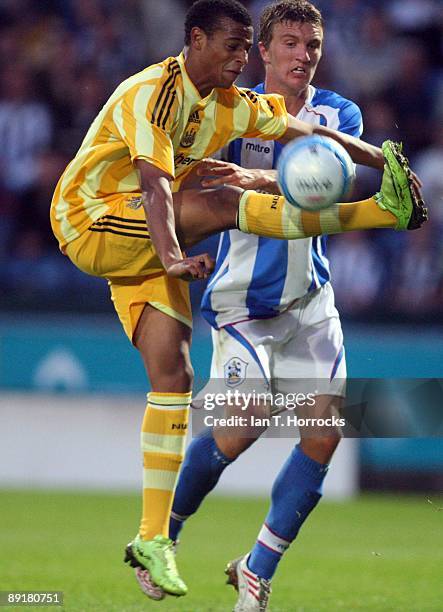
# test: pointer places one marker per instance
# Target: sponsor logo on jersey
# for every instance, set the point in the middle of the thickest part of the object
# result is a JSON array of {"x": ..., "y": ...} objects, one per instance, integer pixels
[
  {"x": 183, "y": 160},
  {"x": 258, "y": 148},
  {"x": 235, "y": 371}
]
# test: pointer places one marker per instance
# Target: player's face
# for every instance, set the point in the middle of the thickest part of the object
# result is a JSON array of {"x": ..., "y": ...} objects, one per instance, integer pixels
[
  {"x": 293, "y": 54},
  {"x": 225, "y": 53}
]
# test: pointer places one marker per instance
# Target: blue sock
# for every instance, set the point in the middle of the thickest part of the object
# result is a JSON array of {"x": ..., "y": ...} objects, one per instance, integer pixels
[
  {"x": 295, "y": 493},
  {"x": 203, "y": 465}
]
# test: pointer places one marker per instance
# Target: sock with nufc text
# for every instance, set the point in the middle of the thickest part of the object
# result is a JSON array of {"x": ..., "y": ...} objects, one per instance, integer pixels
[
  {"x": 163, "y": 439},
  {"x": 273, "y": 217}
]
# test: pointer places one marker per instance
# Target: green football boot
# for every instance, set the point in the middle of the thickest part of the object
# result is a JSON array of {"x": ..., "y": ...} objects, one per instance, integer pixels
[
  {"x": 157, "y": 556},
  {"x": 398, "y": 194}
]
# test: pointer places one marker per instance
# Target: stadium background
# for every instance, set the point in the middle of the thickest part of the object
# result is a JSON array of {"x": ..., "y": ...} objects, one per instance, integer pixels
[{"x": 66, "y": 368}]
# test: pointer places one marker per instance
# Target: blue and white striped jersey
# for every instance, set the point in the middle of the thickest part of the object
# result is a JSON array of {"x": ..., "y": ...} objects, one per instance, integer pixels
[{"x": 256, "y": 277}]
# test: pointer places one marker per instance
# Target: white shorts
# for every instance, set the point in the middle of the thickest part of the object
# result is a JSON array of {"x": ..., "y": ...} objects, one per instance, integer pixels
[{"x": 300, "y": 350}]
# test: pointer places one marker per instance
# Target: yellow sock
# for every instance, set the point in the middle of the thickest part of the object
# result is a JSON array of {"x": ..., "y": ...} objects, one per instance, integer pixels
[
  {"x": 163, "y": 439},
  {"x": 272, "y": 216}
]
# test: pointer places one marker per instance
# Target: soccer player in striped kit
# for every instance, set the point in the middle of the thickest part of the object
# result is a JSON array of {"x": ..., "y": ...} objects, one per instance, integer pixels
[
  {"x": 271, "y": 307},
  {"x": 118, "y": 212}
]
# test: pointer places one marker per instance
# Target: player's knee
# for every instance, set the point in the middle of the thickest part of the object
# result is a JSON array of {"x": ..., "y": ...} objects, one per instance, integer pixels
[
  {"x": 184, "y": 359},
  {"x": 182, "y": 372},
  {"x": 180, "y": 381},
  {"x": 232, "y": 446},
  {"x": 328, "y": 444},
  {"x": 321, "y": 448},
  {"x": 227, "y": 200},
  {"x": 175, "y": 372}
]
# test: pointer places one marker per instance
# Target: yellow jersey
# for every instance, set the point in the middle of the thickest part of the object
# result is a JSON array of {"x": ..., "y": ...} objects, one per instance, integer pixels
[{"x": 159, "y": 116}]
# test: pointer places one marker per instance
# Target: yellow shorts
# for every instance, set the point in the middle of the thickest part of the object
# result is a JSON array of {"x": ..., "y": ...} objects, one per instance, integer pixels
[{"x": 118, "y": 247}]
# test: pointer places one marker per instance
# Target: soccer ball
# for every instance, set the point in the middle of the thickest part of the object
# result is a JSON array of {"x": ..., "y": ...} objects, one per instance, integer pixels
[{"x": 314, "y": 172}]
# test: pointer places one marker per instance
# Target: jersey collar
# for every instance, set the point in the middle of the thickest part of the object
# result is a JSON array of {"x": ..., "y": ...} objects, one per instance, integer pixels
[
  {"x": 260, "y": 88},
  {"x": 311, "y": 94},
  {"x": 190, "y": 90}
]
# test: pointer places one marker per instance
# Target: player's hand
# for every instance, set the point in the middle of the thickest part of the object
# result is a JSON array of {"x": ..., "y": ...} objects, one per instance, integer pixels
[
  {"x": 226, "y": 173},
  {"x": 193, "y": 268}
]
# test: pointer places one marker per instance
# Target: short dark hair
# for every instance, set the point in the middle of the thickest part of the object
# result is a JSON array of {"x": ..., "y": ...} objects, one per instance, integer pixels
[
  {"x": 288, "y": 10},
  {"x": 206, "y": 14}
]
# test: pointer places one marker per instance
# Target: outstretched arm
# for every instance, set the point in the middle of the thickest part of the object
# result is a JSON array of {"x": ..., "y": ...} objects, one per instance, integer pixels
[{"x": 360, "y": 151}]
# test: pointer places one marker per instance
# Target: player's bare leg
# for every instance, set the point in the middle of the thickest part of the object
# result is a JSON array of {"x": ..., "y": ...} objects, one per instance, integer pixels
[
  {"x": 318, "y": 445},
  {"x": 164, "y": 343},
  {"x": 200, "y": 213},
  {"x": 233, "y": 446},
  {"x": 320, "y": 442},
  {"x": 233, "y": 442},
  {"x": 164, "y": 346}
]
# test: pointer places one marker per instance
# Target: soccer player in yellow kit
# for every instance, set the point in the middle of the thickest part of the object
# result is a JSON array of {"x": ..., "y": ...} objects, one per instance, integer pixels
[{"x": 115, "y": 216}]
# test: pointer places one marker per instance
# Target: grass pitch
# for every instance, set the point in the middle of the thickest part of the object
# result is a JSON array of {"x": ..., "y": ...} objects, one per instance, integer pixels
[{"x": 375, "y": 553}]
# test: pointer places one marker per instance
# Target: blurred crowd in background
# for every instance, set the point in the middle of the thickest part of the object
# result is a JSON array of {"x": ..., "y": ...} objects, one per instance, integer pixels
[{"x": 61, "y": 59}]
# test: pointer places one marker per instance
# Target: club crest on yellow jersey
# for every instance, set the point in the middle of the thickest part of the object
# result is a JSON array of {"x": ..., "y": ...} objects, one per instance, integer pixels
[
  {"x": 188, "y": 138},
  {"x": 194, "y": 118}
]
